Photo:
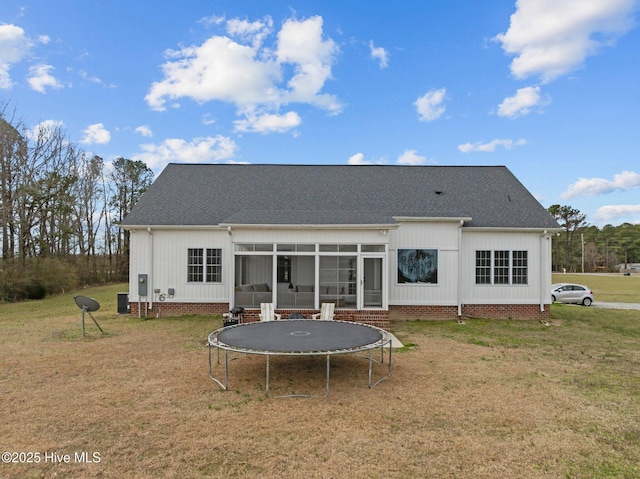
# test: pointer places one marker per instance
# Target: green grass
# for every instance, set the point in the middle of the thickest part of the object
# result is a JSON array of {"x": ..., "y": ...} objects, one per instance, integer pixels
[
  {"x": 611, "y": 288},
  {"x": 64, "y": 304}
]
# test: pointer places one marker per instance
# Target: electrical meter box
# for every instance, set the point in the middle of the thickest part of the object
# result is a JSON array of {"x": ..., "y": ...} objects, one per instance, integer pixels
[{"x": 142, "y": 284}]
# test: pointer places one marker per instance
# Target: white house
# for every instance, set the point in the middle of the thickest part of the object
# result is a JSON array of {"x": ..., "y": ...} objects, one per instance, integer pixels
[{"x": 378, "y": 241}]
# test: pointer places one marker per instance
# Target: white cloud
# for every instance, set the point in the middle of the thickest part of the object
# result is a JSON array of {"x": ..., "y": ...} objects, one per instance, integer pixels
[
  {"x": 429, "y": 106},
  {"x": 239, "y": 69},
  {"x": 144, "y": 130},
  {"x": 379, "y": 54},
  {"x": 358, "y": 159},
  {"x": 212, "y": 20},
  {"x": 219, "y": 69},
  {"x": 267, "y": 123},
  {"x": 96, "y": 133},
  {"x": 521, "y": 103},
  {"x": 14, "y": 46},
  {"x": 550, "y": 38},
  {"x": 94, "y": 79},
  {"x": 40, "y": 78},
  {"x": 45, "y": 128},
  {"x": 491, "y": 146},
  {"x": 252, "y": 32},
  {"x": 411, "y": 157},
  {"x": 300, "y": 43},
  {"x": 207, "y": 119},
  {"x": 198, "y": 150},
  {"x": 609, "y": 212},
  {"x": 624, "y": 180}
]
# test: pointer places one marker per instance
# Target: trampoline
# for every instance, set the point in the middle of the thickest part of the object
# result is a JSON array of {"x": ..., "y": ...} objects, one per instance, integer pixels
[{"x": 298, "y": 337}]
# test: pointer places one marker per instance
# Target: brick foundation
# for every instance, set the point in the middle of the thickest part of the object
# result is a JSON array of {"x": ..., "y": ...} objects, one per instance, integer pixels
[
  {"x": 379, "y": 318},
  {"x": 422, "y": 312},
  {"x": 178, "y": 309},
  {"x": 490, "y": 311}
]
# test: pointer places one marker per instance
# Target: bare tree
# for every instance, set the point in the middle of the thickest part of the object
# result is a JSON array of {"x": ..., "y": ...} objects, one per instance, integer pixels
[
  {"x": 89, "y": 213},
  {"x": 13, "y": 149},
  {"x": 130, "y": 180}
]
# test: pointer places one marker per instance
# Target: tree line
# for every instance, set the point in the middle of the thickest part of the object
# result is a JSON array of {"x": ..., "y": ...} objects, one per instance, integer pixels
[
  {"x": 581, "y": 247},
  {"x": 59, "y": 211}
]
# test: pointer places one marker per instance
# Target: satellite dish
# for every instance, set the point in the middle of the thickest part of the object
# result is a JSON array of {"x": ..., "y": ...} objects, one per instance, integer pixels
[{"x": 88, "y": 305}]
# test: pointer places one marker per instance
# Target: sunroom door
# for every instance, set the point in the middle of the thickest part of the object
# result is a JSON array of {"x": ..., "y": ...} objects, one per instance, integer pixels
[{"x": 372, "y": 282}]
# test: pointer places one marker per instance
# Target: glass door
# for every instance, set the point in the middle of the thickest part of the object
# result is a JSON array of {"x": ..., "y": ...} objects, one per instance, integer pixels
[{"x": 372, "y": 282}]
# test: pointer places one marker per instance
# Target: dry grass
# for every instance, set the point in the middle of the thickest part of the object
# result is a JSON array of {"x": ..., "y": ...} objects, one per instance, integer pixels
[{"x": 487, "y": 399}]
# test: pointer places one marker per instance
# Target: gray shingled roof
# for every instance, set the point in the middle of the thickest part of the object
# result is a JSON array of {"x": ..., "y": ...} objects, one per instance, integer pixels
[{"x": 196, "y": 194}]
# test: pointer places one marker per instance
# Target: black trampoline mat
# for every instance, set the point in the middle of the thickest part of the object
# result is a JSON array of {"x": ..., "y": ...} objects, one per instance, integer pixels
[{"x": 300, "y": 336}]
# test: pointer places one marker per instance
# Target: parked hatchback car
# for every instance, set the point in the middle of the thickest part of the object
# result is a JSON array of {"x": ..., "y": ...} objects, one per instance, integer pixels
[{"x": 571, "y": 293}]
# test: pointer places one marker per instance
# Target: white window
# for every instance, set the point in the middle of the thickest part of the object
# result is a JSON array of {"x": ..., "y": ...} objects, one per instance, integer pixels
[
  {"x": 198, "y": 271},
  {"x": 502, "y": 267}
]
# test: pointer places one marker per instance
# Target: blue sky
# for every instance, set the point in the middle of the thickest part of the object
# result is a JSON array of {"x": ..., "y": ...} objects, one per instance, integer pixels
[{"x": 548, "y": 88}]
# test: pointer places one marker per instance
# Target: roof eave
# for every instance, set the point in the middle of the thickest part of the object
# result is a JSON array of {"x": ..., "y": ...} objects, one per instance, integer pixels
[
  {"x": 372, "y": 226},
  {"x": 432, "y": 219},
  {"x": 527, "y": 229}
]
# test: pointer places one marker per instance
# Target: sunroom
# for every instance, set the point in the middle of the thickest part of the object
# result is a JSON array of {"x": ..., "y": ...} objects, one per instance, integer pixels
[{"x": 305, "y": 275}]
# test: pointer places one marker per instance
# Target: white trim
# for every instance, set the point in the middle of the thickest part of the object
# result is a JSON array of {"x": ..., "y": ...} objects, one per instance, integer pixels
[
  {"x": 340, "y": 226},
  {"x": 427, "y": 219},
  {"x": 490, "y": 229}
]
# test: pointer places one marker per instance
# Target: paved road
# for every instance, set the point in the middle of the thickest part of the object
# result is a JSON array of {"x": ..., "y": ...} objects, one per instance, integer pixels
[{"x": 600, "y": 304}]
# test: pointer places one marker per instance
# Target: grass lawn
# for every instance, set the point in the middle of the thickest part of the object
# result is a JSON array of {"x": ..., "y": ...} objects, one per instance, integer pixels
[
  {"x": 610, "y": 288},
  {"x": 484, "y": 399}
]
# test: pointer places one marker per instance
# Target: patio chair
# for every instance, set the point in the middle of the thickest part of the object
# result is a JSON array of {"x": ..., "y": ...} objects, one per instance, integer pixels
[
  {"x": 326, "y": 312},
  {"x": 268, "y": 313}
]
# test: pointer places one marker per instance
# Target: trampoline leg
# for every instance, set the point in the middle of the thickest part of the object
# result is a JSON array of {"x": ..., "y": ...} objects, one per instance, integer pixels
[
  {"x": 328, "y": 369},
  {"x": 226, "y": 370},
  {"x": 371, "y": 361},
  {"x": 266, "y": 382},
  {"x": 224, "y": 386}
]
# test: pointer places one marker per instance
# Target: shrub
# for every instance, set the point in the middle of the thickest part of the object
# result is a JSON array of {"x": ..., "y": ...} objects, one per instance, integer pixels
[
  {"x": 35, "y": 278},
  {"x": 35, "y": 290}
]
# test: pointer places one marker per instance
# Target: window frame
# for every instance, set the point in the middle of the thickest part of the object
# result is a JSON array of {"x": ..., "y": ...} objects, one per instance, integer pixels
[
  {"x": 520, "y": 267},
  {"x": 502, "y": 267},
  {"x": 483, "y": 266},
  {"x": 202, "y": 266}
]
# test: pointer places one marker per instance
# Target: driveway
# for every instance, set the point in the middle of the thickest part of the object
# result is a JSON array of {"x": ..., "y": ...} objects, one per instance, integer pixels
[{"x": 615, "y": 305}]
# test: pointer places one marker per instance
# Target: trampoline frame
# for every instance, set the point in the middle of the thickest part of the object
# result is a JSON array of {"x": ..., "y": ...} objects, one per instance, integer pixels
[{"x": 214, "y": 342}]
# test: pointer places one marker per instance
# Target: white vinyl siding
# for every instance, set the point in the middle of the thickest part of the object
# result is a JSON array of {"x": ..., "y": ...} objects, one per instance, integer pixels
[
  {"x": 440, "y": 236},
  {"x": 163, "y": 255},
  {"x": 527, "y": 262}
]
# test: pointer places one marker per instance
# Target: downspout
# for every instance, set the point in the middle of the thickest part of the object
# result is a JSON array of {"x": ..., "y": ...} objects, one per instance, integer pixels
[
  {"x": 460, "y": 268},
  {"x": 150, "y": 285},
  {"x": 542, "y": 263}
]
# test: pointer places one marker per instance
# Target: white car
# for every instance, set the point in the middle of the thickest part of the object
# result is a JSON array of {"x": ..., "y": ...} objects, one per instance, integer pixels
[{"x": 571, "y": 293}]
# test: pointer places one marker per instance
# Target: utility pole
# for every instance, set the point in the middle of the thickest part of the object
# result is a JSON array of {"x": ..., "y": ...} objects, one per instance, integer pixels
[{"x": 582, "y": 241}]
